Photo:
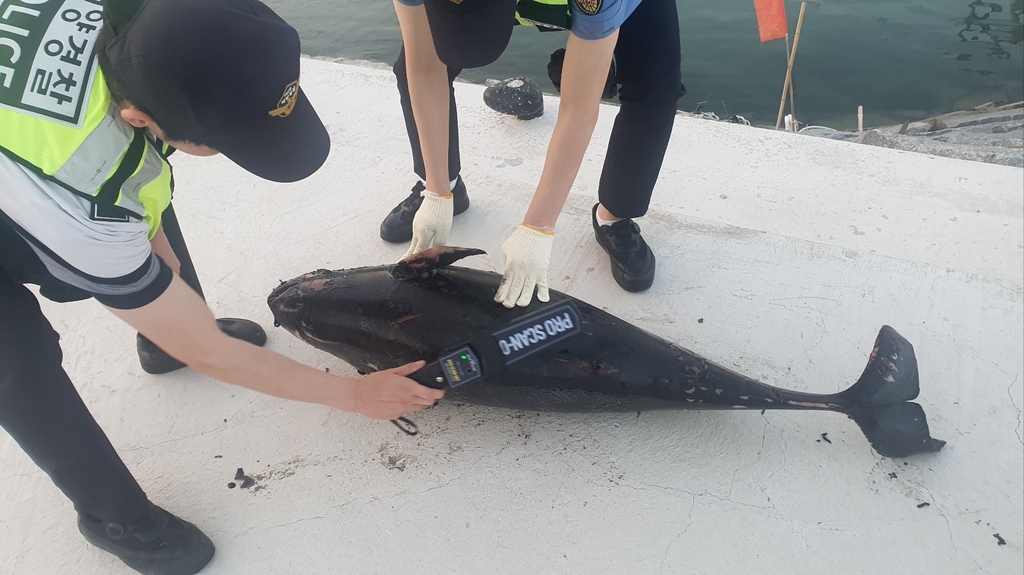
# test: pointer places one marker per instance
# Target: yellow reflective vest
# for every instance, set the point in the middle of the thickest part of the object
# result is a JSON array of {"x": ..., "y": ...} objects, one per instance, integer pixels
[
  {"x": 545, "y": 14},
  {"x": 57, "y": 118}
]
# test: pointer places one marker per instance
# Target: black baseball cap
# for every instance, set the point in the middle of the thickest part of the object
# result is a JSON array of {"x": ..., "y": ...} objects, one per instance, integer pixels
[
  {"x": 470, "y": 33},
  {"x": 223, "y": 73}
]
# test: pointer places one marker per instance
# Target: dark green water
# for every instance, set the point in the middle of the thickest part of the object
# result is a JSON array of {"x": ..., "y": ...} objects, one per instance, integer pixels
[{"x": 901, "y": 59}]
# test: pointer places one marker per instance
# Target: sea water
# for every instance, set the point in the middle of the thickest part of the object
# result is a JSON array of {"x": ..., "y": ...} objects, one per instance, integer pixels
[{"x": 903, "y": 60}]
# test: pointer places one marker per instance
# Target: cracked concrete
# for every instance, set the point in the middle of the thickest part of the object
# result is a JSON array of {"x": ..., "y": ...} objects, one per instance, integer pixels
[
  {"x": 693, "y": 502},
  {"x": 1009, "y": 393},
  {"x": 770, "y": 281}
]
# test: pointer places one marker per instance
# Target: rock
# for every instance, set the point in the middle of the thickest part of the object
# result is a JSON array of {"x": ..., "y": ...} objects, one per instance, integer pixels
[
  {"x": 917, "y": 128},
  {"x": 989, "y": 134}
]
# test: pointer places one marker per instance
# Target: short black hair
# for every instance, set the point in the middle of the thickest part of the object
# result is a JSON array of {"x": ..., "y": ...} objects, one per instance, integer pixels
[
  {"x": 117, "y": 92},
  {"x": 115, "y": 85}
]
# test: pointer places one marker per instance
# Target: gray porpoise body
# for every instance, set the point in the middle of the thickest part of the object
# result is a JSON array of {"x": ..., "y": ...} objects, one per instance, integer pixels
[{"x": 381, "y": 317}]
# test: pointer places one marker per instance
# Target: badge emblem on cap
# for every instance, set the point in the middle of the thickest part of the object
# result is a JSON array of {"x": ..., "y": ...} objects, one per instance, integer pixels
[
  {"x": 286, "y": 104},
  {"x": 590, "y": 7}
]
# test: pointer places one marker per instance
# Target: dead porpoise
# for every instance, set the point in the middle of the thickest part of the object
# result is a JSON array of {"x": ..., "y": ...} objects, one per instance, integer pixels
[{"x": 381, "y": 317}]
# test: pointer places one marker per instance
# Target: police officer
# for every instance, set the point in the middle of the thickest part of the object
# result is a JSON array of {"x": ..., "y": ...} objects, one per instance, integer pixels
[
  {"x": 441, "y": 37},
  {"x": 94, "y": 97}
]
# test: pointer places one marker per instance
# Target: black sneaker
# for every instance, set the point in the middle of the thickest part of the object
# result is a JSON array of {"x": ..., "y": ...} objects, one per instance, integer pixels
[
  {"x": 157, "y": 544},
  {"x": 632, "y": 259},
  {"x": 156, "y": 361},
  {"x": 397, "y": 226}
]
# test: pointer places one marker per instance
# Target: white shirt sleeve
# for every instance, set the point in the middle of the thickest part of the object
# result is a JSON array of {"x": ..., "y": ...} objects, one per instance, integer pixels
[{"x": 105, "y": 258}]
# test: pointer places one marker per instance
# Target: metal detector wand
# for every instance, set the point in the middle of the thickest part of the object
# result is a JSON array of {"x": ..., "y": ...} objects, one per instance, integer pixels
[{"x": 488, "y": 353}]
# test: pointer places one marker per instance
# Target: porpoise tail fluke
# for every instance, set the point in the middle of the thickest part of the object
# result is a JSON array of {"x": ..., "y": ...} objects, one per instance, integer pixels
[{"x": 880, "y": 401}]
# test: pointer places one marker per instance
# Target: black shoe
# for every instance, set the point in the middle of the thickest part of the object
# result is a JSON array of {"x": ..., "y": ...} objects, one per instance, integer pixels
[
  {"x": 397, "y": 226},
  {"x": 157, "y": 544},
  {"x": 156, "y": 361},
  {"x": 632, "y": 259}
]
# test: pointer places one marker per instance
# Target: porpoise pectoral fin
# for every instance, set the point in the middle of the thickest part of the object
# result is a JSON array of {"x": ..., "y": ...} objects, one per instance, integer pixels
[{"x": 425, "y": 262}]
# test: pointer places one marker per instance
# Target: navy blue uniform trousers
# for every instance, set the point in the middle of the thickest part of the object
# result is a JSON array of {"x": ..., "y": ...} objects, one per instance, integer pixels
[
  {"x": 40, "y": 407},
  {"x": 647, "y": 60}
]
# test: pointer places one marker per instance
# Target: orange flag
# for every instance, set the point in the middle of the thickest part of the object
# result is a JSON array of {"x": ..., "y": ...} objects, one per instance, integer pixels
[{"x": 771, "y": 19}]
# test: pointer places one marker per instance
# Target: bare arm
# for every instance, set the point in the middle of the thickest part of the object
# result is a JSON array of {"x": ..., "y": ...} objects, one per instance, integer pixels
[
  {"x": 584, "y": 73},
  {"x": 162, "y": 248},
  {"x": 182, "y": 325},
  {"x": 428, "y": 90}
]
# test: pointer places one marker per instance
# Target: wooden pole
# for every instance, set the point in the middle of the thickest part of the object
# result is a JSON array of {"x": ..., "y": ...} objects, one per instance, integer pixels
[
  {"x": 789, "y": 69},
  {"x": 792, "y": 90}
]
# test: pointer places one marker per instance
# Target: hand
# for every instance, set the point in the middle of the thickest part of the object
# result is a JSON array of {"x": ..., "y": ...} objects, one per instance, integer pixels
[
  {"x": 432, "y": 222},
  {"x": 526, "y": 253},
  {"x": 390, "y": 395}
]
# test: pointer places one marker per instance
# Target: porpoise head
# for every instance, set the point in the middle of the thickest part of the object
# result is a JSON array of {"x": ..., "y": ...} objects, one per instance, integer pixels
[{"x": 347, "y": 312}]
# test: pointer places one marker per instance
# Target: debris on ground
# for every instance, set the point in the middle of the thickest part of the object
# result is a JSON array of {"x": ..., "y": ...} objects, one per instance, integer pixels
[
  {"x": 999, "y": 539},
  {"x": 824, "y": 436},
  {"x": 247, "y": 481},
  {"x": 923, "y": 505}
]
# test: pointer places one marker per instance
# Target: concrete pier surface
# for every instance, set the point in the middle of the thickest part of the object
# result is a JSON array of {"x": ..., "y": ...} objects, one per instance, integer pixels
[{"x": 779, "y": 256}]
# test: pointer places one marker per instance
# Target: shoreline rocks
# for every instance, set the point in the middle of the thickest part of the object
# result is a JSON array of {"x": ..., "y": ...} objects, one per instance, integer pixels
[{"x": 990, "y": 133}]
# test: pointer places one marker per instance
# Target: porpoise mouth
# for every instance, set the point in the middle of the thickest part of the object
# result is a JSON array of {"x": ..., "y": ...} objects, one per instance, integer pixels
[
  {"x": 300, "y": 285},
  {"x": 277, "y": 298},
  {"x": 283, "y": 304},
  {"x": 275, "y": 295}
]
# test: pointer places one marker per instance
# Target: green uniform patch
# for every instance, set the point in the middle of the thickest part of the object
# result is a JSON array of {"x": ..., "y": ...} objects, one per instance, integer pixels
[{"x": 47, "y": 57}]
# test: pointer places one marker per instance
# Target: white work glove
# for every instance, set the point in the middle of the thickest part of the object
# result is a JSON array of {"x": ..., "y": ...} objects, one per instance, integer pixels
[
  {"x": 526, "y": 253},
  {"x": 432, "y": 222}
]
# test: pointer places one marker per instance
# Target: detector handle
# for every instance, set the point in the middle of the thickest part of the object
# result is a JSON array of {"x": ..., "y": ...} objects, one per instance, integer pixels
[{"x": 488, "y": 353}]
